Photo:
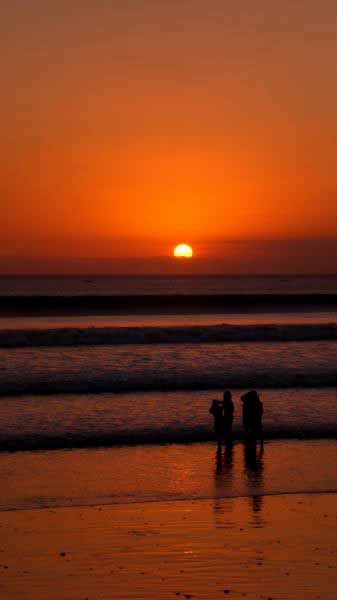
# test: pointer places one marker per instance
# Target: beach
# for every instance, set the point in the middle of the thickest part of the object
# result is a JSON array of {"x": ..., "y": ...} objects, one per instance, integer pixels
[
  {"x": 134, "y": 473},
  {"x": 170, "y": 521},
  {"x": 202, "y": 549},
  {"x": 168, "y": 300},
  {"x": 112, "y": 484}
]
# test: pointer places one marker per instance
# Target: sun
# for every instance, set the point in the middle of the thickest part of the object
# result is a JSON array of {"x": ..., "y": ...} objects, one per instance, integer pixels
[{"x": 183, "y": 251}]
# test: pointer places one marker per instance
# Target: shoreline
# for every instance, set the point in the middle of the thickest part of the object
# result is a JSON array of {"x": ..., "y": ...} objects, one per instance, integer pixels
[
  {"x": 53, "y": 444},
  {"x": 166, "y": 473},
  {"x": 135, "y": 503}
]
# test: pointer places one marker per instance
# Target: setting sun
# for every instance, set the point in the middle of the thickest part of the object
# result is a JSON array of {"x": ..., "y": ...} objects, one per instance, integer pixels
[{"x": 183, "y": 251}]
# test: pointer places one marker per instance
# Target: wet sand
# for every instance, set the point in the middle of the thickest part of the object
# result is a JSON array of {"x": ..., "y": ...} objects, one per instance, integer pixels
[
  {"x": 164, "y": 472},
  {"x": 282, "y": 546}
]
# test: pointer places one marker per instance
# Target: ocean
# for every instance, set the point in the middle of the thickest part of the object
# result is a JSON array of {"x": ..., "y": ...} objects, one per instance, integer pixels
[
  {"x": 160, "y": 284},
  {"x": 131, "y": 365}
]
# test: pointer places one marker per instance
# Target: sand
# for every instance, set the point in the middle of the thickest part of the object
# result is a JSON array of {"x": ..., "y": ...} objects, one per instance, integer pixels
[
  {"x": 282, "y": 546},
  {"x": 160, "y": 472}
]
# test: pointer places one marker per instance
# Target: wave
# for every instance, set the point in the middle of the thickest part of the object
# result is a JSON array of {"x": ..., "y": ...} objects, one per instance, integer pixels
[
  {"x": 280, "y": 379},
  {"x": 155, "y": 437},
  {"x": 20, "y": 338}
]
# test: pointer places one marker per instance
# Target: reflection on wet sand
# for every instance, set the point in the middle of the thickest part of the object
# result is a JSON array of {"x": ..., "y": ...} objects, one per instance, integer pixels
[
  {"x": 248, "y": 465},
  {"x": 223, "y": 478},
  {"x": 253, "y": 470},
  {"x": 223, "y": 468}
]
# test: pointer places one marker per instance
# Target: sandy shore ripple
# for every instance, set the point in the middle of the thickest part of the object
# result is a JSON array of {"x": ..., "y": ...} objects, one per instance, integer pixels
[{"x": 260, "y": 547}]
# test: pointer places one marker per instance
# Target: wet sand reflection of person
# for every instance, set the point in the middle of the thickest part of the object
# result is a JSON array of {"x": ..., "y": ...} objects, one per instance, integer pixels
[
  {"x": 223, "y": 413},
  {"x": 224, "y": 462},
  {"x": 223, "y": 478},
  {"x": 253, "y": 469},
  {"x": 252, "y": 411}
]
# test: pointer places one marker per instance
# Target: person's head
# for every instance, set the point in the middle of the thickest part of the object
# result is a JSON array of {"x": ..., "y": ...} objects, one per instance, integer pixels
[
  {"x": 249, "y": 397},
  {"x": 227, "y": 396}
]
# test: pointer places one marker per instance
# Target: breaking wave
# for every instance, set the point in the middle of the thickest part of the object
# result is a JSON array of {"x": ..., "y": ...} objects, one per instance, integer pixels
[{"x": 278, "y": 379}]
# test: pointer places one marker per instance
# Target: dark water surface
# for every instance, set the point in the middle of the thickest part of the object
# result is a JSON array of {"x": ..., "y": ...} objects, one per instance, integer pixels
[
  {"x": 143, "y": 285},
  {"x": 137, "y": 418},
  {"x": 167, "y": 366}
]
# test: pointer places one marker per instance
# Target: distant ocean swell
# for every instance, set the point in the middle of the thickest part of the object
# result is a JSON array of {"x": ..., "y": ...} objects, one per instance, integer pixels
[
  {"x": 94, "y": 336},
  {"x": 167, "y": 303}
]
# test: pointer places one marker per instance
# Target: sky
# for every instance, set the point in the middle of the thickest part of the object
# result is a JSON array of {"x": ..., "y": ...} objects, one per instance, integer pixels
[{"x": 129, "y": 126}]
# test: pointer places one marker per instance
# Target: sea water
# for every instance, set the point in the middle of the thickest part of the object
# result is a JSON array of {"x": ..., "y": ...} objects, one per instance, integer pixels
[{"x": 150, "y": 382}]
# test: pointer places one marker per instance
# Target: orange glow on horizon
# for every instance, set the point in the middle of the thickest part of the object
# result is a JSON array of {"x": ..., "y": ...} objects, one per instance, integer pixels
[{"x": 195, "y": 146}]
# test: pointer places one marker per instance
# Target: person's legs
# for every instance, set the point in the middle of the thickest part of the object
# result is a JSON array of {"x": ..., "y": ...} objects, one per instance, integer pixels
[
  {"x": 258, "y": 431},
  {"x": 229, "y": 432},
  {"x": 218, "y": 434}
]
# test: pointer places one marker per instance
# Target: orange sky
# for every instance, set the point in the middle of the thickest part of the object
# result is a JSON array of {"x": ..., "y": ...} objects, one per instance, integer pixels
[{"x": 130, "y": 126}]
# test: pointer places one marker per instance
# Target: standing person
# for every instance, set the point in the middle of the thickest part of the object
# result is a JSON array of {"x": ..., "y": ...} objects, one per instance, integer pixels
[
  {"x": 258, "y": 418},
  {"x": 246, "y": 414},
  {"x": 252, "y": 411},
  {"x": 216, "y": 410},
  {"x": 228, "y": 411}
]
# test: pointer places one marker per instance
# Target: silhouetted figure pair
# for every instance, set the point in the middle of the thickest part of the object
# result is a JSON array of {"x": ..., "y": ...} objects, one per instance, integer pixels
[
  {"x": 252, "y": 411},
  {"x": 223, "y": 413}
]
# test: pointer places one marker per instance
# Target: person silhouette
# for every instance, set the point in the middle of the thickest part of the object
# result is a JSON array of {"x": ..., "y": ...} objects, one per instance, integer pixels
[
  {"x": 216, "y": 410},
  {"x": 228, "y": 412},
  {"x": 252, "y": 411},
  {"x": 223, "y": 412}
]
